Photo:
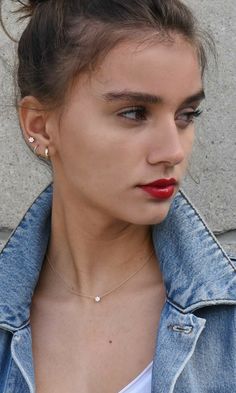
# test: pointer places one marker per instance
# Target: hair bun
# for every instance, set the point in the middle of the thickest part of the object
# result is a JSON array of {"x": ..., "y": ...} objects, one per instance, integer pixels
[{"x": 28, "y": 9}]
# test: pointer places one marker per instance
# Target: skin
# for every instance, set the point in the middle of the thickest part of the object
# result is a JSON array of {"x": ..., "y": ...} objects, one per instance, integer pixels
[{"x": 104, "y": 143}]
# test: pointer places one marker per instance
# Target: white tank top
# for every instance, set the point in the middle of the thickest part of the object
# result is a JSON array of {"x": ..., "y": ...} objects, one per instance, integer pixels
[{"x": 142, "y": 383}]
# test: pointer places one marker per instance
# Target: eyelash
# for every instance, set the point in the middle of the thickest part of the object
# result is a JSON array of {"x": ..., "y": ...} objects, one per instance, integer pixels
[
  {"x": 143, "y": 114},
  {"x": 192, "y": 115},
  {"x": 141, "y": 110}
]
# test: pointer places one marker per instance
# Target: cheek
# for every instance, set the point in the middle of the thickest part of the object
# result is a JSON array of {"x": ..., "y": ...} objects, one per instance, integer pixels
[
  {"x": 92, "y": 157},
  {"x": 91, "y": 140}
]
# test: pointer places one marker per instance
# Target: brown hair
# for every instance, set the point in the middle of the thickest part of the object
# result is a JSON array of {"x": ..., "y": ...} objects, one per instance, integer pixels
[{"x": 64, "y": 38}]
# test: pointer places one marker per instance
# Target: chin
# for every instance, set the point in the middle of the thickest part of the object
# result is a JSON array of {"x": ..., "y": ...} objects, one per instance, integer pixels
[
  {"x": 153, "y": 217},
  {"x": 151, "y": 221}
]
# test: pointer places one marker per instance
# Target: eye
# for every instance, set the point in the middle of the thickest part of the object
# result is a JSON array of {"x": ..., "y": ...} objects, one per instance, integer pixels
[
  {"x": 187, "y": 117},
  {"x": 134, "y": 113}
]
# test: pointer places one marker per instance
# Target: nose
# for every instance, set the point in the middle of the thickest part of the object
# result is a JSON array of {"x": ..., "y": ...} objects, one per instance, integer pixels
[{"x": 166, "y": 145}]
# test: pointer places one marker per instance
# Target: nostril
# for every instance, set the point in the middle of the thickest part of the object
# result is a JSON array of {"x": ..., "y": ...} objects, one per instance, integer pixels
[{"x": 168, "y": 145}]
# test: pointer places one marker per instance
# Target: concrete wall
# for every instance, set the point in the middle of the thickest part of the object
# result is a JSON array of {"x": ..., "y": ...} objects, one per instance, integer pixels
[{"x": 212, "y": 183}]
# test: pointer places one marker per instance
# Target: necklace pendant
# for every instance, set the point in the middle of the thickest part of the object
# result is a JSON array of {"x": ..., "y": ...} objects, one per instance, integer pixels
[{"x": 97, "y": 299}]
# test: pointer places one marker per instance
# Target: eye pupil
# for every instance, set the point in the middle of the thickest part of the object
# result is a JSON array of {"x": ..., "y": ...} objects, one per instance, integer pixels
[{"x": 135, "y": 114}]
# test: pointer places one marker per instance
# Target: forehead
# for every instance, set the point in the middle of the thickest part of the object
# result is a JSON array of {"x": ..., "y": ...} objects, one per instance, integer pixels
[{"x": 167, "y": 69}]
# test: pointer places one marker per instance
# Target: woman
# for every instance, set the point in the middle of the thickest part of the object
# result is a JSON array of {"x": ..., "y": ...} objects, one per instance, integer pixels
[{"x": 112, "y": 282}]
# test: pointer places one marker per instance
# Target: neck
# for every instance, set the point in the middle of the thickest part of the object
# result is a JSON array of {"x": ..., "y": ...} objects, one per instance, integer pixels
[{"x": 94, "y": 254}]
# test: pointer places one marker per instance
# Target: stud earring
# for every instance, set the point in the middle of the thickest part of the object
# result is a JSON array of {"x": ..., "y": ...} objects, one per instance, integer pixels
[{"x": 31, "y": 139}]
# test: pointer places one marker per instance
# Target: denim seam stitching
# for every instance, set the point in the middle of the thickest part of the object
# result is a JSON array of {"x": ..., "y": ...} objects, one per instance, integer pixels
[
  {"x": 13, "y": 329},
  {"x": 191, "y": 308},
  {"x": 7, "y": 376},
  {"x": 186, "y": 360},
  {"x": 31, "y": 388},
  {"x": 213, "y": 237}
]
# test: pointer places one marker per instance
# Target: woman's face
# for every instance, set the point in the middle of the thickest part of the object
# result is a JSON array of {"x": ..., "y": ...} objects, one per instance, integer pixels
[{"x": 128, "y": 124}]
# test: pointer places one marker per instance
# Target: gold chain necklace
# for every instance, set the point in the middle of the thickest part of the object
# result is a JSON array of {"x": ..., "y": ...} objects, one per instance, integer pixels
[{"x": 97, "y": 298}]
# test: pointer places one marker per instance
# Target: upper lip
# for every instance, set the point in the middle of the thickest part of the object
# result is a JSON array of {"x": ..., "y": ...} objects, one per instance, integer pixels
[{"x": 162, "y": 183}]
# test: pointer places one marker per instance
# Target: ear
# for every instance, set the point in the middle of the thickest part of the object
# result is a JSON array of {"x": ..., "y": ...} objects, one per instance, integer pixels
[{"x": 33, "y": 121}]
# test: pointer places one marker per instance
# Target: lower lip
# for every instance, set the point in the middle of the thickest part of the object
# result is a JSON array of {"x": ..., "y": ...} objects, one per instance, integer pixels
[{"x": 159, "y": 193}]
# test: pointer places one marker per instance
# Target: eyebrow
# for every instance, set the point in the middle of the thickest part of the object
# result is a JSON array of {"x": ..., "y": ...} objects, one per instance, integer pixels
[
  {"x": 199, "y": 96},
  {"x": 146, "y": 98},
  {"x": 132, "y": 96}
]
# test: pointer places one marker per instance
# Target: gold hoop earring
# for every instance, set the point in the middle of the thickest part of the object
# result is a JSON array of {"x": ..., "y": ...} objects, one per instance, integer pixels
[
  {"x": 35, "y": 149},
  {"x": 47, "y": 153}
]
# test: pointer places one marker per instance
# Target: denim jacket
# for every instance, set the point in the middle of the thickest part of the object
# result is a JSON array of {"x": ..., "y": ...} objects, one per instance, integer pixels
[{"x": 196, "y": 337}]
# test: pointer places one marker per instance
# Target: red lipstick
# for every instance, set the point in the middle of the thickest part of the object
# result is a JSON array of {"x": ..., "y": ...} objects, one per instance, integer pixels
[{"x": 160, "y": 189}]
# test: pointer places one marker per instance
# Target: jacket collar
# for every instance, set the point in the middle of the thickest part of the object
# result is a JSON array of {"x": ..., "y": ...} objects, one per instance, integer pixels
[
  {"x": 196, "y": 270},
  {"x": 21, "y": 261}
]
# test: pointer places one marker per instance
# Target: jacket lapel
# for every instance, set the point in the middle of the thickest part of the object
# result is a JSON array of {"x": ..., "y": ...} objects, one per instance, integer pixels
[
  {"x": 176, "y": 340},
  {"x": 20, "y": 377}
]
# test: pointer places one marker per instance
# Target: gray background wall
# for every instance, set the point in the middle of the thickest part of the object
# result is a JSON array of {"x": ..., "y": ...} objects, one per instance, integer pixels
[{"x": 211, "y": 184}]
